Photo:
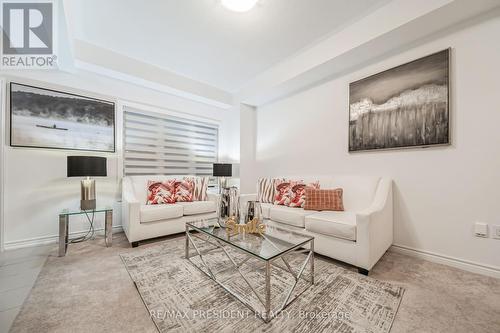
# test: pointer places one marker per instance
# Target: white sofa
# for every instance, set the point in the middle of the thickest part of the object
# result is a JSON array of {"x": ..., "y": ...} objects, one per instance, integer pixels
[
  {"x": 141, "y": 221},
  {"x": 360, "y": 235}
]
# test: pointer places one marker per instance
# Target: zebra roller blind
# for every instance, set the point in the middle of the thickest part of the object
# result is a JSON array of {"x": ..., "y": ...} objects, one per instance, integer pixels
[{"x": 159, "y": 144}]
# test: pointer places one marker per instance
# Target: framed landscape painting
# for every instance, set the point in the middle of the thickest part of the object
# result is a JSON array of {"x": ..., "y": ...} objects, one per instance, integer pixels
[
  {"x": 44, "y": 118},
  {"x": 406, "y": 106}
]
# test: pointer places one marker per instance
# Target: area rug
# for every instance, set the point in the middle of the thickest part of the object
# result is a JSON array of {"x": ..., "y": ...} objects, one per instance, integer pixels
[{"x": 181, "y": 298}]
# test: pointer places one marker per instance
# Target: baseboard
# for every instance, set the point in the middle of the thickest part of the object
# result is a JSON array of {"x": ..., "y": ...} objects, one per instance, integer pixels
[
  {"x": 466, "y": 265},
  {"x": 45, "y": 240}
]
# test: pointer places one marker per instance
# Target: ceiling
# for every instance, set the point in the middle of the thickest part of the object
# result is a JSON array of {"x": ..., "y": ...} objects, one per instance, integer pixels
[{"x": 203, "y": 41}]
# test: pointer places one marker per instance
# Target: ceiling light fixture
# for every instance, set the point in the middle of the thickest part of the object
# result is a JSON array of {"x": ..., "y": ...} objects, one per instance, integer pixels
[{"x": 239, "y": 5}]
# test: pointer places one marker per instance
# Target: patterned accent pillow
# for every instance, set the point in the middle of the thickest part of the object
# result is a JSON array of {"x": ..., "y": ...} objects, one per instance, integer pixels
[
  {"x": 161, "y": 192},
  {"x": 184, "y": 190},
  {"x": 265, "y": 189},
  {"x": 324, "y": 199},
  {"x": 299, "y": 194},
  {"x": 283, "y": 191},
  {"x": 200, "y": 188}
]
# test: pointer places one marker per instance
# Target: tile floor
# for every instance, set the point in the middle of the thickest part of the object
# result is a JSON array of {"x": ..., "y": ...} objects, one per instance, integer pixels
[{"x": 18, "y": 272}]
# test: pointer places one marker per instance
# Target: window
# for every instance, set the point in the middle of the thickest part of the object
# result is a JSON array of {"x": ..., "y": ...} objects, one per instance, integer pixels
[{"x": 158, "y": 144}]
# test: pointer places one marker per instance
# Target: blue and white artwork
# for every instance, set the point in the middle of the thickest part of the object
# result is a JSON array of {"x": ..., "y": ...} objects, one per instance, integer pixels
[{"x": 44, "y": 118}]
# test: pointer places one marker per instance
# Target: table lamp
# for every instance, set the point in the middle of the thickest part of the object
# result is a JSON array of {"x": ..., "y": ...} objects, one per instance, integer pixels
[
  {"x": 222, "y": 170},
  {"x": 87, "y": 166}
]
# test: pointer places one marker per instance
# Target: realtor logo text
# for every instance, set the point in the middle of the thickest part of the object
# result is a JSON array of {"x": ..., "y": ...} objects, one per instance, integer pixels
[{"x": 28, "y": 35}]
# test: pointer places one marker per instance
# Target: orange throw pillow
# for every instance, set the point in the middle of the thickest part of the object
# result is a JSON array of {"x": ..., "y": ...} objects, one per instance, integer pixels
[{"x": 324, "y": 199}]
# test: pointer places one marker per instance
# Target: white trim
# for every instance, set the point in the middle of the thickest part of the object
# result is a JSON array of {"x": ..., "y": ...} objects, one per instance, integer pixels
[
  {"x": 150, "y": 84},
  {"x": 44, "y": 240},
  {"x": 3, "y": 103},
  {"x": 466, "y": 265}
]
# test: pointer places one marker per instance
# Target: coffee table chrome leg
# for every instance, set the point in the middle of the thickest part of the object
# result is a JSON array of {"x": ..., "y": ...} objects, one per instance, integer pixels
[
  {"x": 63, "y": 235},
  {"x": 268, "y": 291},
  {"x": 312, "y": 261},
  {"x": 186, "y": 245}
]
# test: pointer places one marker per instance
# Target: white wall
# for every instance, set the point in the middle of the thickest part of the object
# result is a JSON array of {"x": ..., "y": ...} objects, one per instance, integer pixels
[
  {"x": 36, "y": 187},
  {"x": 439, "y": 192},
  {"x": 248, "y": 131}
]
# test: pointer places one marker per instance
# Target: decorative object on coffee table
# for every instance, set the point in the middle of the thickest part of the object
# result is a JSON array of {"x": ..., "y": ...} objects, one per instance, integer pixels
[
  {"x": 253, "y": 211},
  {"x": 229, "y": 203},
  {"x": 87, "y": 166},
  {"x": 405, "y": 106}
]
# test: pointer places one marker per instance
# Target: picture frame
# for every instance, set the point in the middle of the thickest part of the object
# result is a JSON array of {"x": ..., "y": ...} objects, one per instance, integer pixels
[
  {"x": 52, "y": 119},
  {"x": 407, "y": 106}
]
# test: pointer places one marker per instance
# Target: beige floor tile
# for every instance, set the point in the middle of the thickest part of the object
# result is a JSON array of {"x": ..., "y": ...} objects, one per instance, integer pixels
[
  {"x": 13, "y": 298},
  {"x": 31, "y": 266},
  {"x": 17, "y": 281},
  {"x": 7, "y": 318}
]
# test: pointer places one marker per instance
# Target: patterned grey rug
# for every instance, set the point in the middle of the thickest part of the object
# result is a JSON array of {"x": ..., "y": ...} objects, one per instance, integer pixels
[{"x": 180, "y": 298}]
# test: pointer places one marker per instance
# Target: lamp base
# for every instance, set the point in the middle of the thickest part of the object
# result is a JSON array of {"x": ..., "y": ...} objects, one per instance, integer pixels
[
  {"x": 87, "y": 190},
  {"x": 87, "y": 204}
]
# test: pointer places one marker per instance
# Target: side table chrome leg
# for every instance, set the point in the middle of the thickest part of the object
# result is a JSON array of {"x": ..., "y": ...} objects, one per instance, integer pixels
[
  {"x": 63, "y": 234},
  {"x": 108, "y": 228}
]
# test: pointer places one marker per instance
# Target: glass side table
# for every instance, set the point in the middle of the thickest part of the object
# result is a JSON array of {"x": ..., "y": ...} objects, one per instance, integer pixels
[{"x": 64, "y": 226}]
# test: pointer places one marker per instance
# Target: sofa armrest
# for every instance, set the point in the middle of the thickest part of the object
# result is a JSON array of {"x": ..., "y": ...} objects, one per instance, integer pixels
[
  {"x": 375, "y": 226},
  {"x": 130, "y": 210}
]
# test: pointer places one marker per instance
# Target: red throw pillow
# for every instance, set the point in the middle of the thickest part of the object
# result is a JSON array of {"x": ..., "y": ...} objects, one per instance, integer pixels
[
  {"x": 324, "y": 199},
  {"x": 299, "y": 194},
  {"x": 184, "y": 190},
  {"x": 283, "y": 192},
  {"x": 161, "y": 192}
]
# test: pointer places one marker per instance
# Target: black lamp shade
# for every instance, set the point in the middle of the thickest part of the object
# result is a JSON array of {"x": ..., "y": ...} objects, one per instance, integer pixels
[
  {"x": 86, "y": 166},
  {"x": 223, "y": 170}
]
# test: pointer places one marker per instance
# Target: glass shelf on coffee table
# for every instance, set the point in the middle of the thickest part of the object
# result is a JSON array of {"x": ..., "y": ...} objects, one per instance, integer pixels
[{"x": 252, "y": 257}]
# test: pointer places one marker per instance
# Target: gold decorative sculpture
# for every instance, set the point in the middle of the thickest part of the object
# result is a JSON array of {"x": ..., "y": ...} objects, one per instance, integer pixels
[{"x": 252, "y": 227}]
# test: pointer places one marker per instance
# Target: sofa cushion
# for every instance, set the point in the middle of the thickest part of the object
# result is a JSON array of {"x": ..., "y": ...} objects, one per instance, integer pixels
[
  {"x": 198, "y": 207},
  {"x": 184, "y": 190},
  {"x": 200, "y": 187},
  {"x": 299, "y": 193},
  {"x": 161, "y": 192},
  {"x": 336, "y": 224},
  {"x": 283, "y": 192},
  {"x": 151, "y": 213},
  {"x": 289, "y": 215},
  {"x": 324, "y": 199},
  {"x": 265, "y": 190}
]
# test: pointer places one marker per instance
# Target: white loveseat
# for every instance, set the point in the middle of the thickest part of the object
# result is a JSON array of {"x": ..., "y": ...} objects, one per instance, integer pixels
[
  {"x": 360, "y": 235},
  {"x": 141, "y": 221}
]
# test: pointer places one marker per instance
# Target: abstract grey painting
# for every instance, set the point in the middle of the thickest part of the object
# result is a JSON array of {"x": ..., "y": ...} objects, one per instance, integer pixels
[
  {"x": 45, "y": 118},
  {"x": 406, "y": 106}
]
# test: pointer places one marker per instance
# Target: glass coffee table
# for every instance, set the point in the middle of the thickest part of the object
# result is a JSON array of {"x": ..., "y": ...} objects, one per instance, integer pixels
[{"x": 279, "y": 256}]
